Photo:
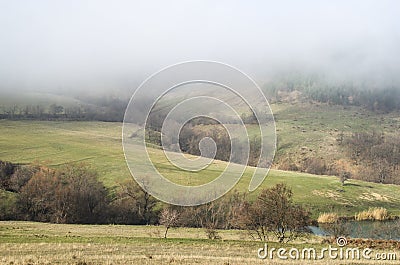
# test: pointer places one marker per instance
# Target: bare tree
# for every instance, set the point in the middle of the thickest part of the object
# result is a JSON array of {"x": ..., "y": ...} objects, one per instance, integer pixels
[
  {"x": 140, "y": 199},
  {"x": 168, "y": 218},
  {"x": 274, "y": 213},
  {"x": 345, "y": 175}
]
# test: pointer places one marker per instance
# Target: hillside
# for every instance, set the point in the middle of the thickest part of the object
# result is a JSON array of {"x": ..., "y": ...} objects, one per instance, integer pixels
[
  {"x": 99, "y": 144},
  {"x": 305, "y": 129}
]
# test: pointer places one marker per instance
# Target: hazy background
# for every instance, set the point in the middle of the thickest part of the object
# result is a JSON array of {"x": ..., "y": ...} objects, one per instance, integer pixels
[{"x": 109, "y": 47}]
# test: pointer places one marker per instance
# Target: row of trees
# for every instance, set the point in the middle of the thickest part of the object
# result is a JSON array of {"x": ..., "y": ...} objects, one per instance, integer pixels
[
  {"x": 101, "y": 109},
  {"x": 272, "y": 215},
  {"x": 385, "y": 97},
  {"x": 73, "y": 194}
]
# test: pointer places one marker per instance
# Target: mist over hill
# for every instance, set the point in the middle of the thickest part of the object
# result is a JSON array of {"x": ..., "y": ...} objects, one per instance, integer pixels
[{"x": 98, "y": 48}]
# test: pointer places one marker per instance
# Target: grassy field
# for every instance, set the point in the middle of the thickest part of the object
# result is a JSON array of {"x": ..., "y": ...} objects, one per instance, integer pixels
[
  {"x": 99, "y": 144},
  {"x": 311, "y": 130},
  {"x": 41, "y": 243}
]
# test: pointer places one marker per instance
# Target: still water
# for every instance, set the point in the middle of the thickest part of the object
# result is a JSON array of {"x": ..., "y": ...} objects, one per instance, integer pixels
[{"x": 365, "y": 229}]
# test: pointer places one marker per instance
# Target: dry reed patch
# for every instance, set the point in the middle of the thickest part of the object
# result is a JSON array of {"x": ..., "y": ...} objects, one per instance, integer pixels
[
  {"x": 378, "y": 214},
  {"x": 328, "y": 218}
]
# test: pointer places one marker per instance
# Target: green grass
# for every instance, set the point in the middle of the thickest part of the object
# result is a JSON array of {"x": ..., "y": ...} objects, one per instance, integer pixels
[
  {"x": 59, "y": 143},
  {"x": 317, "y": 126},
  {"x": 99, "y": 144}
]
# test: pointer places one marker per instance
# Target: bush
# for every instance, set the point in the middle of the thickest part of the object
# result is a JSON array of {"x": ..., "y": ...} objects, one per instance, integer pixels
[
  {"x": 314, "y": 165},
  {"x": 134, "y": 205},
  {"x": 274, "y": 212}
]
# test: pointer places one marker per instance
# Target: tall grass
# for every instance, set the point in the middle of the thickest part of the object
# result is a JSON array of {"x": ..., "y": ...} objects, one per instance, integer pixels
[
  {"x": 378, "y": 214},
  {"x": 328, "y": 218}
]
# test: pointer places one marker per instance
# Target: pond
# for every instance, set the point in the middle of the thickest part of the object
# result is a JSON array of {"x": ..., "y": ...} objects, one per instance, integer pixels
[{"x": 361, "y": 229}]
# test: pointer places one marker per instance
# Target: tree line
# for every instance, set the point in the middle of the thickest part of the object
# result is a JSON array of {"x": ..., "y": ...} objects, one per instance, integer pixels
[
  {"x": 382, "y": 98},
  {"x": 109, "y": 109},
  {"x": 73, "y": 194}
]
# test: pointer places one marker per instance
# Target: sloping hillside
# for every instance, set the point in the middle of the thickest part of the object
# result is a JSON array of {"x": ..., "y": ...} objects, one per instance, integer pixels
[{"x": 99, "y": 144}]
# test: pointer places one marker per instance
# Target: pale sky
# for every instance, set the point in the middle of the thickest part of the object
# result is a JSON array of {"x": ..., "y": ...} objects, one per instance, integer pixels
[{"x": 113, "y": 45}]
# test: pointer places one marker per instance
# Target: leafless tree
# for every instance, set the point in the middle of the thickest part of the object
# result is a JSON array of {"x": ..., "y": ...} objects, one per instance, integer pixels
[
  {"x": 274, "y": 213},
  {"x": 168, "y": 218}
]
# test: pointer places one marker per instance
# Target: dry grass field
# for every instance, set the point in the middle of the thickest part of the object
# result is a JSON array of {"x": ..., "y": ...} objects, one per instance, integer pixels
[{"x": 41, "y": 243}]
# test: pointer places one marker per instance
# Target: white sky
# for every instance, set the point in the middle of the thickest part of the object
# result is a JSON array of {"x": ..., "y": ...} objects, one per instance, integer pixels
[{"x": 104, "y": 45}]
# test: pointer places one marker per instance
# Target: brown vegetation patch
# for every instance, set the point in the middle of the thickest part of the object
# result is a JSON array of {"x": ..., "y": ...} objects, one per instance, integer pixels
[{"x": 373, "y": 196}]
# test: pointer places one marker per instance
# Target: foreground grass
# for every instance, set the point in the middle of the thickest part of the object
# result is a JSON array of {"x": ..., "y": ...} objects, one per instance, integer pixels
[
  {"x": 39, "y": 243},
  {"x": 99, "y": 144}
]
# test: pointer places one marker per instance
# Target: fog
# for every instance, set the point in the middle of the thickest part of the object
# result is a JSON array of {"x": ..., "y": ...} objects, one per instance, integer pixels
[{"x": 111, "y": 46}]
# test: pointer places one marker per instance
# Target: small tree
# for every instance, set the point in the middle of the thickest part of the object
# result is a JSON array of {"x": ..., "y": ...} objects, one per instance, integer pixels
[
  {"x": 274, "y": 212},
  {"x": 82, "y": 196},
  {"x": 168, "y": 218},
  {"x": 36, "y": 199},
  {"x": 344, "y": 176},
  {"x": 211, "y": 216},
  {"x": 140, "y": 200}
]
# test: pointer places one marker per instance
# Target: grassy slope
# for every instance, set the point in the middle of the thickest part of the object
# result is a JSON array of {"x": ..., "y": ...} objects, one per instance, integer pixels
[
  {"x": 317, "y": 126},
  {"x": 99, "y": 144}
]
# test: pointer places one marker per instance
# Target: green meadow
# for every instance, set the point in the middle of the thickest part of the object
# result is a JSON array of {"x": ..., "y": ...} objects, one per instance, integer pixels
[
  {"x": 98, "y": 144},
  {"x": 303, "y": 128}
]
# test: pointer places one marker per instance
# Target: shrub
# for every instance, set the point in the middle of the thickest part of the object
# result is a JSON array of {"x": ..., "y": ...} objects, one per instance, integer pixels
[
  {"x": 137, "y": 203},
  {"x": 275, "y": 213}
]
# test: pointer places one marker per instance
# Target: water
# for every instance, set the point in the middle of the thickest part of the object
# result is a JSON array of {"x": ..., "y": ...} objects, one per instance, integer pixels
[{"x": 363, "y": 229}]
